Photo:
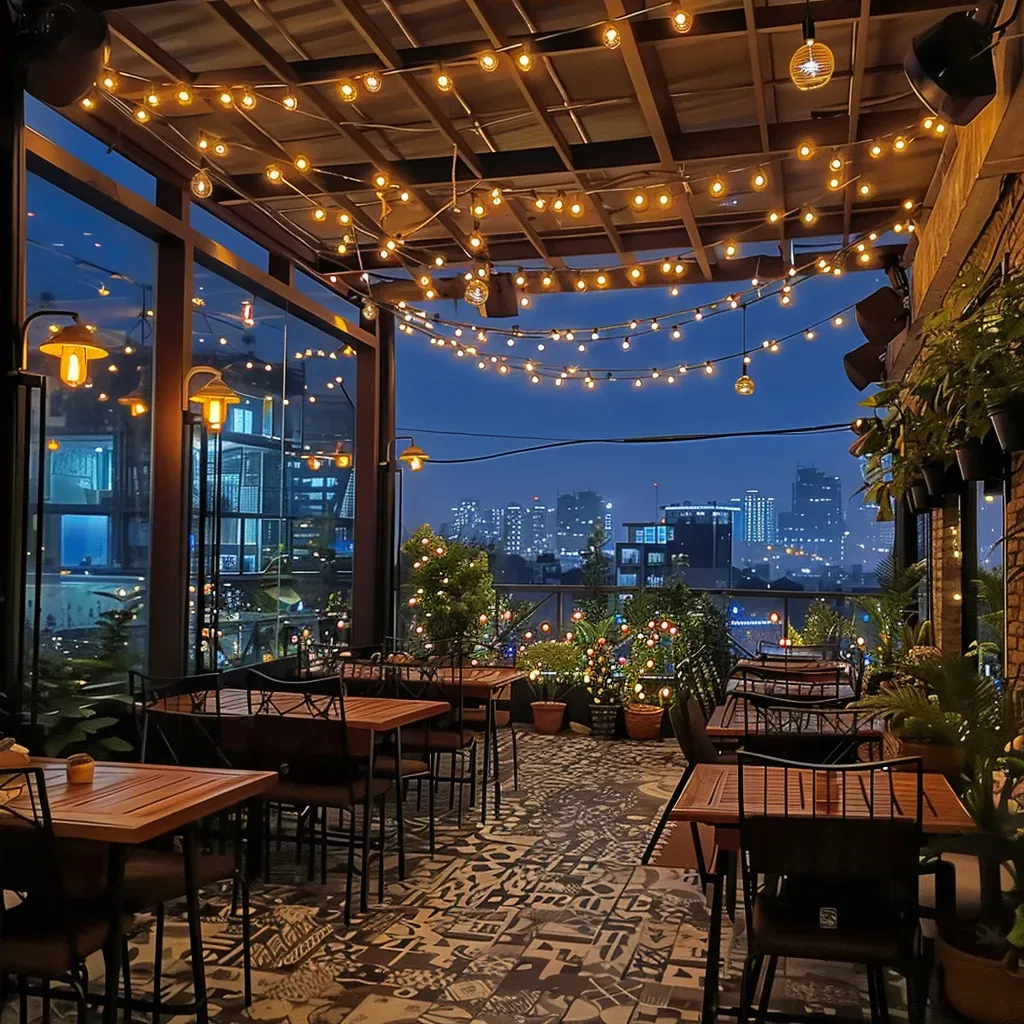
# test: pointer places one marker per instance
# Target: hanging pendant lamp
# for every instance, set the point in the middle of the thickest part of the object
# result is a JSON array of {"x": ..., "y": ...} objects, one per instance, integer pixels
[{"x": 813, "y": 64}]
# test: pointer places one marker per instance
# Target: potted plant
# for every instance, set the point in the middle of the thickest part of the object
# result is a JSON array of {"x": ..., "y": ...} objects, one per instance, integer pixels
[
  {"x": 554, "y": 671},
  {"x": 597, "y": 642},
  {"x": 981, "y": 954}
]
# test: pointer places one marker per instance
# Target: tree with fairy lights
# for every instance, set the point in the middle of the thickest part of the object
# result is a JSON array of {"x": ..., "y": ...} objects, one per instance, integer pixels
[
  {"x": 596, "y": 642},
  {"x": 450, "y": 591}
]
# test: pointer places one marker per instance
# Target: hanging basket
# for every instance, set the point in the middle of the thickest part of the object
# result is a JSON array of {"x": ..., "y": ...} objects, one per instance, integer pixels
[
  {"x": 643, "y": 722},
  {"x": 603, "y": 719}
]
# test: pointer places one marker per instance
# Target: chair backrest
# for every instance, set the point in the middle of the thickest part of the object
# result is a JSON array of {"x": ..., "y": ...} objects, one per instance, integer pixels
[
  {"x": 827, "y": 651},
  {"x": 366, "y": 677},
  {"x": 693, "y": 679},
  {"x": 268, "y": 695},
  {"x": 440, "y": 680},
  {"x": 841, "y": 833},
  {"x": 838, "y": 687},
  {"x": 820, "y": 731},
  {"x": 688, "y": 724},
  {"x": 178, "y": 718}
]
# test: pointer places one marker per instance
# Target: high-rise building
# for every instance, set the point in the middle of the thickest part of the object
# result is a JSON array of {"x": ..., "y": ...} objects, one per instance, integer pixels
[
  {"x": 738, "y": 518},
  {"x": 513, "y": 535},
  {"x": 537, "y": 529},
  {"x": 760, "y": 519},
  {"x": 815, "y": 525},
  {"x": 609, "y": 524},
  {"x": 576, "y": 515},
  {"x": 494, "y": 524},
  {"x": 465, "y": 520}
]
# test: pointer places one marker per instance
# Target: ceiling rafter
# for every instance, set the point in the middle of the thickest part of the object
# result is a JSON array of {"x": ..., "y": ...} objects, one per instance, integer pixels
[
  {"x": 485, "y": 17},
  {"x": 659, "y": 114},
  {"x": 283, "y": 72},
  {"x": 391, "y": 60},
  {"x": 860, "y": 50},
  {"x": 260, "y": 139},
  {"x": 714, "y": 23}
]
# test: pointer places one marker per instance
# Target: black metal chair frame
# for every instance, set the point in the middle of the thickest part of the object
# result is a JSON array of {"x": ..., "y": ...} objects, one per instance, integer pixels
[{"x": 767, "y": 859}]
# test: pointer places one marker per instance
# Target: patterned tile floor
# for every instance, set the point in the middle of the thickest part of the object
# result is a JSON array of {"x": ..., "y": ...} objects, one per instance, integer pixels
[{"x": 540, "y": 917}]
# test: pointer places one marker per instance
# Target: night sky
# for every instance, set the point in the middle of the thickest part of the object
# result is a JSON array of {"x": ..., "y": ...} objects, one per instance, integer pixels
[{"x": 803, "y": 384}]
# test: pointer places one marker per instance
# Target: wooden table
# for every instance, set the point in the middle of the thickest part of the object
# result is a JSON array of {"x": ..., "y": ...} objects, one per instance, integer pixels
[
  {"x": 736, "y": 718},
  {"x": 372, "y": 715},
  {"x": 127, "y": 804},
  {"x": 710, "y": 796}
]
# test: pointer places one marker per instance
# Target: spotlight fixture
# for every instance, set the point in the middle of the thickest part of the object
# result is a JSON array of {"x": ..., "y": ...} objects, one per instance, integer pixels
[
  {"x": 813, "y": 64},
  {"x": 950, "y": 66}
]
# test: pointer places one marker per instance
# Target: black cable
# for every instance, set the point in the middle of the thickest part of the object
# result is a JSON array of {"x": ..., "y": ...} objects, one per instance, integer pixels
[
  {"x": 470, "y": 433},
  {"x": 657, "y": 439}
]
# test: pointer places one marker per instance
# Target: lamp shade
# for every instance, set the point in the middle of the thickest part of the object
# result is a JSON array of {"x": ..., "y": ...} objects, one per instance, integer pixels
[
  {"x": 414, "y": 457},
  {"x": 812, "y": 66},
  {"x": 74, "y": 346},
  {"x": 215, "y": 397},
  {"x": 950, "y": 68}
]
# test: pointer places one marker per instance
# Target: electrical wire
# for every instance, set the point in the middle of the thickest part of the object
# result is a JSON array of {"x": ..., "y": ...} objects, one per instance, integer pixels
[{"x": 826, "y": 428}]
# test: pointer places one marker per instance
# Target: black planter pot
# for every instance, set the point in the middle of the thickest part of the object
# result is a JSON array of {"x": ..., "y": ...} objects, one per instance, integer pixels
[
  {"x": 980, "y": 459},
  {"x": 1008, "y": 423},
  {"x": 935, "y": 477},
  {"x": 603, "y": 720},
  {"x": 917, "y": 499}
]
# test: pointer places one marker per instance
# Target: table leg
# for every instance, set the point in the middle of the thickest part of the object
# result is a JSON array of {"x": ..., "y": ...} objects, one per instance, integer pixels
[
  {"x": 430, "y": 789},
  {"x": 364, "y": 880},
  {"x": 486, "y": 765},
  {"x": 195, "y": 927},
  {"x": 254, "y": 825},
  {"x": 112, "y": 952},
  {"x": 399, "y": 810},
  {"x": 492, "y": 704},
  {"x": 709, "y": 1011}
]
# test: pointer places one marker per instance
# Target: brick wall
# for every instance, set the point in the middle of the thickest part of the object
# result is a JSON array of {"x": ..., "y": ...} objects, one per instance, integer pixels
[{"x": 945, "y": 578}]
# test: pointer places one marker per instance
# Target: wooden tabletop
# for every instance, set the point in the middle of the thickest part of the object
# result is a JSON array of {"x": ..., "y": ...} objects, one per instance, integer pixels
[
  {"x": 480, "y": 681},
  {"x": 711, "y": 796},
  {"x": 793, "y": 689},
  {"x": 807, "y": 669},
  {"x": 132, "y": 803},
  {"x": 736, "y": 718},
  {"x": 377, "y": 714}
]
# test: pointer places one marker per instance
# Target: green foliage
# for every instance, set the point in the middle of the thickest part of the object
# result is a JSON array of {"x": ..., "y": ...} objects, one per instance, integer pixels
[
  {"x": 887, "y": 611},
  {"x": 823, "y": 624},
  {"x": 597, "y": 569},
  {"x": 597, "y": 643},
  {"x": 971, "y": 358},
  {"x": 554, "y": 668},
  {"x": 451, "y": 591}
]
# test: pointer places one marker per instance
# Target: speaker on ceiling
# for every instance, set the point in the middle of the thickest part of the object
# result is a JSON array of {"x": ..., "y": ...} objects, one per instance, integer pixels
[
  {"x": 63, "y": 46},
  {"x": 950, "y": 67},
  {"x": 882, "y": 315},
  {"x": 865, "y": 365}
]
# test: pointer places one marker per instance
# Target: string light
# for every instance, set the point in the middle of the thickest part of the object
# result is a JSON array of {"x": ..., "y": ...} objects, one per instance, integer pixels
[
  {"x": 730, "y": 249},
  {"x": 475, "y": 241},
  {"x": 444, "y": 81},
  {"x": 774, "y": 216},
  {"x": 247, "y": 100},
  {"x": 88, "y": 102},
  {"x": 301, "y": 163},
  {"x": 681, "y": 21},
  {"x": 559, "y": 204},
  {"x": 908, "y": 204},
  {"x": 864, "y": 188},
  {"x": 875, "y": 151},
  {"x": 717, "y": 189},
  {"x": 576, "y": 208},
  {"x": 347, "y": 90},
  {"x": 220, "y": 148},
  {"x": 109, "y": 81},
  {"x": 488, "y": 61},
  {"x": 836, "y": 163},
  {"x": 344, "y": 218},
  {"x": 540, "y": 203},
  {"x": 380, "y": 180},
  {"x": 226, "y": 99},
  {"x": 899, "y": 144},
  {"x": 183, "y": 95},
  {"x": 835, "y": 183},
  {"x": 638, "y": 200},
  {"x": 290, "y": 101},
  {"x": 547, "y": 281},
  {"x": 808, "y": 216},
  {"x": 141, "y": 115},
  {"x": 202, "y": 187},
  {"x": 664, "y": 200},
  {"x": 152, "y": 99},
  {"x": 524, "y": 61},
  {"x": 805, "y": 150},
  {"x": 611, "y": 36},
  {"x": 759, "y": 182},
  {"x": 319, "y": 214},
  {"x": 274, "y": 174}
]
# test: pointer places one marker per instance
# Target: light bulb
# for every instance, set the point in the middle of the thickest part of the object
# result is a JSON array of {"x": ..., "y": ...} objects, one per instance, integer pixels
[
  {"x": 682, "y": 22},
  {"x": 666, "y": 267},
  {"x": 488, "y": 61},
  {"x": 576, "y": 208},
  {"x": 759, "y": 182},
  {"x": 808, "y": 216},
  {"x": 638, "y": 200},
  {"x": 152, "y": 99},
  {"x": 344, "y": 218},
  {"x": 523, "y": 60},
  {"x": 380, "y": 180},
  {"x": 88, "y": 102},
  {"x": 475, "y": 241},
  {"x": 444, "y": 81},
  {"x": 226, "y": 98},
  {"x": 220, "y": 148},
  {"x": 302, "y": 163},
  {"x": 290, "y": 101},
  {"x": 864, "y": 188},
  {"x": 141, "y": 115},
  {"x": 319, "y": 214},
  {"x": 805, "y": 150},
  {"x": 611, "y": 36},
  {"x": 109, "y": 81},
  {"x": 581, "y": 284},
  {"x": 546, "y": 281},
  {"x": 201, "y": 185},
  {"x": 908, "y": 204},
  {"x": 636, "y": 274},
  {"x": 835, "y": 183},
  {"x": 247, "y": 100},
  {"x": 899, "y": 144},
  {"x": 601, "y": 280},
  {"x": 347, "y": 90},
  {"x": 559, "y": 204},
  {"x": 709, "y": 369},
  {"x": 837, "y": 321},
  {"x": 676, "y": 334},
  {"x": 835, "y": 164},
  {"x": 730, "y": 249},
  {"x": 540, "y": 203},
  {"x": 664, "y": 200},
  {"x": 183, "y": 95},
  {"x": 274, "y": 174},
  {"x": 438, "y": 261},
  {"x": 477, "y": 209},
  {"x": 373, "y": 82},
  {"x": 774, "y": 216},
  {"x": 717, "y": 189}
]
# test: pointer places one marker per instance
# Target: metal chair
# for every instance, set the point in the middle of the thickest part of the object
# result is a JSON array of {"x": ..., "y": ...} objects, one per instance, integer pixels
[
  {"x": 829, "y": 859},
  {"x": 822, "y": 732}
]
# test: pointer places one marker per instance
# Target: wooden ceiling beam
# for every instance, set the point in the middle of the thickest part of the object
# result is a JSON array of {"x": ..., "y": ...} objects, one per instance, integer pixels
[
  {"x": 859, "y": 62},
  {"x": 281, "y": 69},
  {"x": 624, "y": 155},
  {"x": 485, "y": 17},
  {"x": 659, "y": 114},
  {"x": 653, "y": 29}
]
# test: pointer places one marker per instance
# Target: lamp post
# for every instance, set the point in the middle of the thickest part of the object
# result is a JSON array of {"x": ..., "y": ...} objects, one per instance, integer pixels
[{"x": 415, "y": 458}]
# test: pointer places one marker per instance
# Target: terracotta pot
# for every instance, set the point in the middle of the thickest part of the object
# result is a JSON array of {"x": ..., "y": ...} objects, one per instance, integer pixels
[
  {"x": 1008, "y": 422},
  {"x": 979, "y": 987},
  {"x": 603, "y": 719},
  {"x": 935, "y": 757},
  {"x": 643, "y": 722},
  {"x": 547, "y": 716},
  {"x": 502, "y": 718}
]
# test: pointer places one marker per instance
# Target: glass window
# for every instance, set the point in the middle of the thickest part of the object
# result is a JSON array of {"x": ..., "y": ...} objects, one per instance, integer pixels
[
  {"x": 655, "y": 557},
  {"x": 274, "y": 494},
  {"x": 327, "y": 297},
  {"x": 991, "y": 600},
  {"x": 223, "y": 234},
  {"x": 662, "y": 534},
  {"x": 650, "y": 534},
  {"x": 627, "y": 579},
  {"x": 655, "y": 581},
  {"x": 51, "y": 125},
  {"x": 638, "y": 535},
  {"x": 629, "y": 556},
  {"x": 96, "y": 482}
]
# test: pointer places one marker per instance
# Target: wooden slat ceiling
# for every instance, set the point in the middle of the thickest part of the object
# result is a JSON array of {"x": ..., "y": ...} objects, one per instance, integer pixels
[{"x": 662, "y": 108}]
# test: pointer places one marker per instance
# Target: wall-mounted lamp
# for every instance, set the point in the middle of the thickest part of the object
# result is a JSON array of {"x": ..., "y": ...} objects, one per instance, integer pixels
[
  {"x": 135, "y": 402},
  {"x": 214, "y": 397},
  {"x": 74, "y": 346},
  {"x": 414, "y": 457}
]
